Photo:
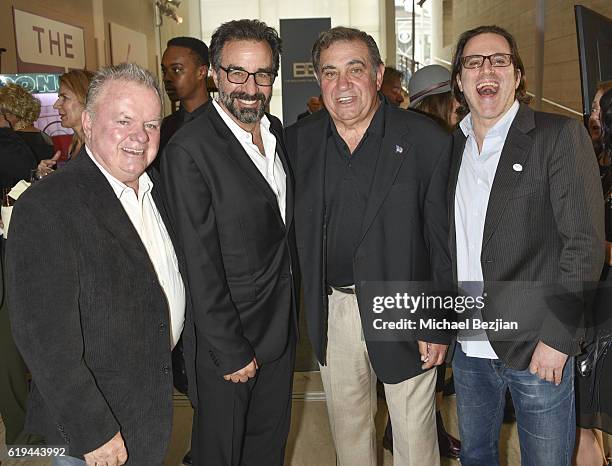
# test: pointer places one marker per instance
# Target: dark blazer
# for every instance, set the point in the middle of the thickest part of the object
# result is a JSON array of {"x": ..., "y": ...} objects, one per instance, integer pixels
[
  {"x": 404, "y": 232},
  {"x": 241, "y": 264},
  {"x": 543, "y": 234},
  {"x": 89, "y": 317}
]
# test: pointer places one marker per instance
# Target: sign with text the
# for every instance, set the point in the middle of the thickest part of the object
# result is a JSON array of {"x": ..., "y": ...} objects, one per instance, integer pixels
[{"x": 43, "y": 41}]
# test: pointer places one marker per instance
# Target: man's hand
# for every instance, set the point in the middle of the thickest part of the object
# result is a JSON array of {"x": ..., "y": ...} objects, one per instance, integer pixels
[
  {"x": 244, "y": 374},
  {"x": 432, "y": 354},
  {"x": 112, "y": 453},
  {"x": 547, "y": 363}
]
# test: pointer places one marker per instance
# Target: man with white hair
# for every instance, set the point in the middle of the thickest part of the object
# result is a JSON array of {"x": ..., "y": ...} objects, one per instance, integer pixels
[{"x": 96, "y": 299}]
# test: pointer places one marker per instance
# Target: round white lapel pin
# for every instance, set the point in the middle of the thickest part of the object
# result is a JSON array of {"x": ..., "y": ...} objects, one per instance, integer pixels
[{"x": 517, "y": 167}]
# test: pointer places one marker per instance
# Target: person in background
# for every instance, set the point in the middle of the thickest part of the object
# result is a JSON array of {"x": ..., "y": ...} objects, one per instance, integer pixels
[
  {"x": 96, "y": 301},
  {"x": 70, "y": 104},
  {"x": 21, "y": 109},
  {"x": 392, "y": 86},
  {"x": 313, "y": 105},
  {"x": 184, "y": 68},
  {"x": 16, "y": 158},
  {"x": 430, "y": 93},
  {"x": 594, "y": 123},
  {"x": 16, "y": 163},
  {"x": 593, "y": 400}
]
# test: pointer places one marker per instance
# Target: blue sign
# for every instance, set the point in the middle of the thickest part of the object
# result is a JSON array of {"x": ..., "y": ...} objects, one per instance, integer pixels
[{"x": 37, "y": 83}]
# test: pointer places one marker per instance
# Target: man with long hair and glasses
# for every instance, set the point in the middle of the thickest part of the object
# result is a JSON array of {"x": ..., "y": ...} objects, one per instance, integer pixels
[
  {"x": 230, "y": 198},
  {"x": 526, "y": 233}
]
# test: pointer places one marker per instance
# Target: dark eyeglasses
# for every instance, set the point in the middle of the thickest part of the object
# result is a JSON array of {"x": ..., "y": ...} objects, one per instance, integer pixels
[
  {"x": 237, "y": 76},
  {"x": 497, "y": 60}
]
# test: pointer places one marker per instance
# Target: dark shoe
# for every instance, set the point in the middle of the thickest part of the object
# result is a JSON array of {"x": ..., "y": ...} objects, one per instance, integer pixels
[
  {"x": 449, "y": 446},
  {"x": 509, "y": 414},
  {"x": 187, "y": 459},
  {"x": 388, "y": 437}
]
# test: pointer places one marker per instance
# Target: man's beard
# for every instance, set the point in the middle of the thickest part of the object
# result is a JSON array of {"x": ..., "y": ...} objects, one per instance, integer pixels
[{"x": 244, "y": 115}]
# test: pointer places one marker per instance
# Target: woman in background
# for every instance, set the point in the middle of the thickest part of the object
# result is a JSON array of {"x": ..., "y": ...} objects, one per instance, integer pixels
[
  {"x": 21, "y": 109},
  {"x": 70, "y": 104},
  {"x": 594, "y": 391},
  {"x": 430, "y": 93},
  {"x": 594, "y": 125}
]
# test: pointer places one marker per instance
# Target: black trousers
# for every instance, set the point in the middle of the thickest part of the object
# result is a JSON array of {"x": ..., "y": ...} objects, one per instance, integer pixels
[{"x": 243, "y": 424}]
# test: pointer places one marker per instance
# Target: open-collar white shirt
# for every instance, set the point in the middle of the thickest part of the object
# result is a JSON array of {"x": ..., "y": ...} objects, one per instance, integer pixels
[
  {"x": 474, "y": 184},
  {"x": 269, "y": 164},
  {"x": 147, "y": 221}
]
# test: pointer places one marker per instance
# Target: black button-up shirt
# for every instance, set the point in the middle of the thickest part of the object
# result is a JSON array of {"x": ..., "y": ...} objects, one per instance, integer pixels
[{"x": 348, "y": 178}]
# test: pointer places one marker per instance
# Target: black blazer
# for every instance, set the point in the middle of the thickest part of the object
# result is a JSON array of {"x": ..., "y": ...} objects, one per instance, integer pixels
[
  {"x": 404, "y": 232},
  {"x": 543, "y": 234},
  {"x": 89, "y": 317},
  {"x": 241, "y": 263}
]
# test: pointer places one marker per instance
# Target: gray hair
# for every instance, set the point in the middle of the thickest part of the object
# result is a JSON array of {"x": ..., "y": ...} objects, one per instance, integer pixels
[
  {"x": 344, "y": 34},
  {"x": 126, "y": 72}
]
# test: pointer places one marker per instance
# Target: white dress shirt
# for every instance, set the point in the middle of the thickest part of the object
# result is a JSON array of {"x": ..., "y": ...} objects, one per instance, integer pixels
[
  {"x": 147, "y": 221},
  {"x": 471, "y": 200},
  {"x": 269, "y": 164}
]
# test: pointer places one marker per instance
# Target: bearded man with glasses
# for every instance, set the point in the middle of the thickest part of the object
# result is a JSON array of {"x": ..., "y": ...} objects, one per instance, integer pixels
[
  {"x": 230, "y": 199},
  {"x": 527, "y": 234}
]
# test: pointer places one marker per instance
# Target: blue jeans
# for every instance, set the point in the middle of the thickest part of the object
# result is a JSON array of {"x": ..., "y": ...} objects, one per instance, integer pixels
[{"x": 545, "y": 413}]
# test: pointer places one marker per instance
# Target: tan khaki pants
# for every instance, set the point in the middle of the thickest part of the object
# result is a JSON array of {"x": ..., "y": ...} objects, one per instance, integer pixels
[{"x": 350, "y": 390}]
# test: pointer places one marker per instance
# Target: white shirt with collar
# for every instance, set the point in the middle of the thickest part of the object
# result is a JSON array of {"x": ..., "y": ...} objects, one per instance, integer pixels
[
  {"x": 474, "y": 184},
  {"x": 147, "y": 221},
  {"x": 269, "y": 164}
]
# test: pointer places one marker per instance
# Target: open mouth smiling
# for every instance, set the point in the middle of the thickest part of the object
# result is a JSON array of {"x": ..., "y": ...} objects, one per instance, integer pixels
[
  {"x": 131, "y": 151},
  {"x": 487, "y": 88},
  {"x": 345, "y": 100}
]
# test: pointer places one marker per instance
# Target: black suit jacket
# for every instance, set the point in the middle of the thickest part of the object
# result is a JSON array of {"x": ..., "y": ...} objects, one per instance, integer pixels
[
  {"x": 241, "y": 263},
  {"x": 89, "y": 317},
  {"x": 543, "y": 236},
  {"x": 404, "y": 232}
]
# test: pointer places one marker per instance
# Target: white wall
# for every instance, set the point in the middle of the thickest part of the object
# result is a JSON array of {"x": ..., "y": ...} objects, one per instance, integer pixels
[{"x": 361, "y": 14}]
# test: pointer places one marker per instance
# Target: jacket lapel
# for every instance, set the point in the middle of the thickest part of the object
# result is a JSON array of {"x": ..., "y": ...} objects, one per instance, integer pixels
[
  {"x": 241, "y": 158},
  {"x": 392, "y": 154},
  {"x": 100, "y": 198},
  {"x": 277, "y": 131},
  {"x": 515, "y": 151},
  {"x": 458, "y": 147}
]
